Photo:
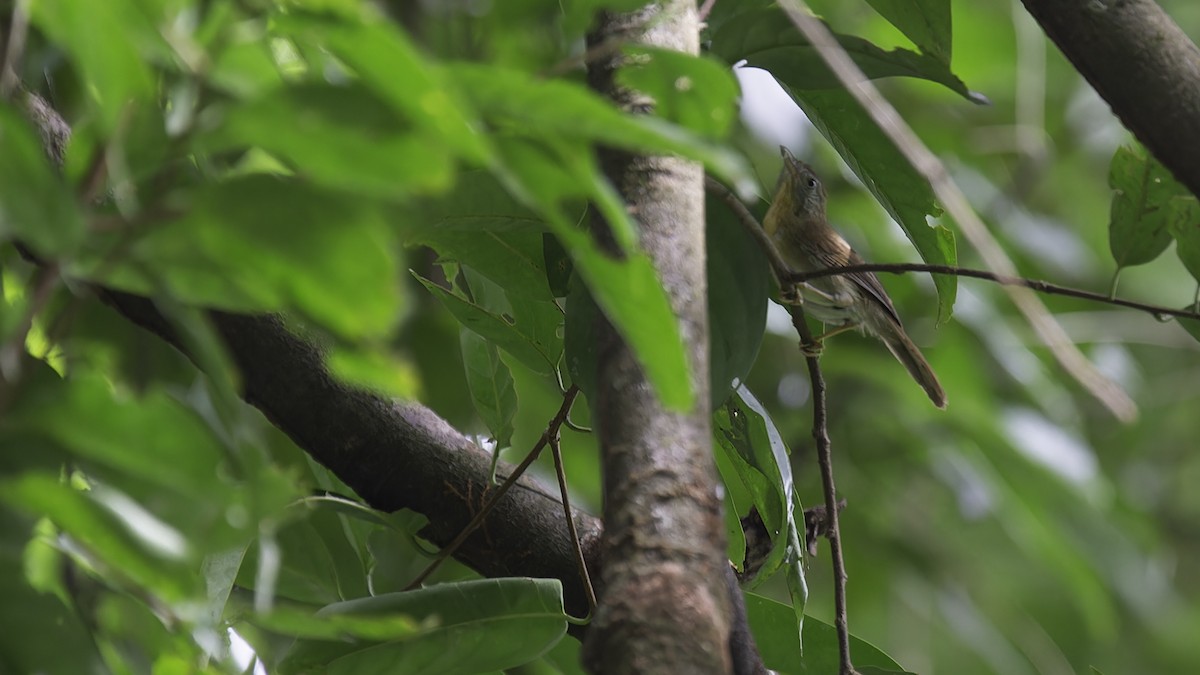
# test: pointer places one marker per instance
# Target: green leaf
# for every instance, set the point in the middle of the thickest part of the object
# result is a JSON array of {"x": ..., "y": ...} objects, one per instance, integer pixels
[
  {"x": 627, "y": 290},
  {"x": 767, "y": 39},
  {"x": 925, "y": 22},
  {"x": 513, "y": 260},
  {"x": 390, "y": 64},
  {"x": 899, "y": 188},
  {"x": 342, "y": 137},
  {"x": 694, "y": 92},
  {"x": 543, "y": 108},
  {"x": 491, "y": 386},
  {"x": 154, "y": 438},
  {"x": 259, "y": 243},
  {"x": 774, "y": 627},
  {"x": 538, "y": 357},
  {"x": 35, "y": 206},
  {"x": 483, "y": 625},
  {"x": 106, "y": 40},
  {"x": 1148, "y": 207},
  {"x": 120, "y": 539},
  {"x": 739, "y": 284}
]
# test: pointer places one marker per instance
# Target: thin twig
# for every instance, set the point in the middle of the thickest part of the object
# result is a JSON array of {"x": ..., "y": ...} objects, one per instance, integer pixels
[
  {"x": 783, "y": 271},
  {"x": 1004, "y": 280},
  {"x": 957, "y": 206},
  {"x": 551, "y": 431},
  {"x": 561, "y": 472},
  {"x": 820, "y": 434},
  {"x": 705, "y": 9}
]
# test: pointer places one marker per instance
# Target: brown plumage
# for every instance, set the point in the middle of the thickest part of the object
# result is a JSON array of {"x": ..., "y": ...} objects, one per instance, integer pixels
[{"x": 797, "y": 224}]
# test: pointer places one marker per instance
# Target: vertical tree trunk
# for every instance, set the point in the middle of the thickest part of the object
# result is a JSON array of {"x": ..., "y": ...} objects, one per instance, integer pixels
[{"x": 664, "y": 604}]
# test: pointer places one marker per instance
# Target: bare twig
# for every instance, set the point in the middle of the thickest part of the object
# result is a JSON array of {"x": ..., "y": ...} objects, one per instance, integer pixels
[
  {"x": 560, "y": 471},
  {"x": 551, "y": 432},
  {"x": 783, "y": 272},
  {"x": 1004, "y": 280},
  {"x": 820, "y": 434},
  {"x": 956, "y": 204}
]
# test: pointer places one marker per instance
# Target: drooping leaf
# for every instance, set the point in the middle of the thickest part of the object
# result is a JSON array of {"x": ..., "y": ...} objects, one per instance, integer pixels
[
  {"x": 925, "y": 22},
  {"x": 35, "y": 205},
  {"x": 491, "y": 386},
  {"x": 767, "y": 39}
]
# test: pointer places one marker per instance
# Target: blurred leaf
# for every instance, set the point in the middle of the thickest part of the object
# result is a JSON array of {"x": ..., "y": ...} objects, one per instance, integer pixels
[
  {"x": 106, "y": 41},
  {"x": 767, "y": 39},
  {"x": 1148, "y": 206},
  {"x": 694, "y": 92},
  {"x": 42, "y": 632},
  {"x": 774, "y": 627},
  {"x": 259, "y": 243},
  {"x": 900, "y": 189},
  {"x": 627, "y": 290},
  {"x": 491, "y": 386},
  {"x": 1192, "y": 326},
  {"x": 513, "y": 99},
  {"x": 35, "y": 206},
  {"x": 154, "y": 438},
  {"x": 388, "y": 63},
  {"x": 558, "y": 266},
  {"x": 376, "y": 368},
  {"x": 472, "y": 626},
  {"x": 117, "y": 539},
  {"x": 925, "y": 22},
  {"x": 342, "y": 137}
]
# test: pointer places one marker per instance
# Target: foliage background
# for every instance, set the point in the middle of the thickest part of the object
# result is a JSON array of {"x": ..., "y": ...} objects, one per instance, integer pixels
[{"x": 1022, "y": 531}]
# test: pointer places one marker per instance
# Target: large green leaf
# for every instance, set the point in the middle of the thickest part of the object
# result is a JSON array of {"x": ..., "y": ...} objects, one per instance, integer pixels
[
  {"x": 387, "y": 61},
  {"x": 484, "y": 625},
  {"x": 513, "y": 260},
  {"x": 1148, "y": 207},
  {"x": 774, "y": 627},
  {"x": 107, "y": 41},
  {"x": 542, "y": 108},
  {"x": 925, "y": 22},
  {"x": 767, "y": 39},
  {"x": 259, "y": 243},
  {"x": 35, "y": 206},
  {"x": 694, "y": 92},
  {"x": 343, "y": 137},
  {"x": 739, "y": 284}
]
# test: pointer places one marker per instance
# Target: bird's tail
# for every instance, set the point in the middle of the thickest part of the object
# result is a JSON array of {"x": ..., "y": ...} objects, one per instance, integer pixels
[{"x": 907, "y": 353}]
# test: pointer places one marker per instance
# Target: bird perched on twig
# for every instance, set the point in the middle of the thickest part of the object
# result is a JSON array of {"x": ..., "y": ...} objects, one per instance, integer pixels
[{"x": 797, "y": 224}]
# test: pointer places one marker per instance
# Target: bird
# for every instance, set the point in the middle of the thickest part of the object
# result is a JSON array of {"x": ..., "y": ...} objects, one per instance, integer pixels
[{"x": 798, "y": 226}]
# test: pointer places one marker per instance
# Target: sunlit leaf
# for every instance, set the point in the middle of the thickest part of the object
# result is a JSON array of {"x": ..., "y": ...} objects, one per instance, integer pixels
[{"x": 925, "y": 22}]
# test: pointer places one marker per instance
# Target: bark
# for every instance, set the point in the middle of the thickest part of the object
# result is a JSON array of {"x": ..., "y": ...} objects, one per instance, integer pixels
[
  {"x": 1142, "y": 64},
  {"x": 664, "y": 605}
]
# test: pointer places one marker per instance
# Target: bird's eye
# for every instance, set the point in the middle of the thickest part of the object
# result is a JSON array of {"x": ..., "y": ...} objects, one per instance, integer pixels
[{"x": 812, "y": 183}]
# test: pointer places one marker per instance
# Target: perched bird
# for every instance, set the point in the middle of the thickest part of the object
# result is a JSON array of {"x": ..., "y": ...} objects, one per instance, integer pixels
[{"x": 797, "y": 225}]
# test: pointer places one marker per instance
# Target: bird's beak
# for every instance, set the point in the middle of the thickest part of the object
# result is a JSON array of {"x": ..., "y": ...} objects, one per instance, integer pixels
[{"x": 789, "y": 160}]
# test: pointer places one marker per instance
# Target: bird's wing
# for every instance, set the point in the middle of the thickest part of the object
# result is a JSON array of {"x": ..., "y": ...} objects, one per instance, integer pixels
[{"x": 870, "y": 283}]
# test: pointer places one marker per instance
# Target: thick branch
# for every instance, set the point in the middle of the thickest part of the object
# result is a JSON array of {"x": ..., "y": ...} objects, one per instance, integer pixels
[
  {"x": 663, "y": 605},
  {"x": 394, "y": 455},
  {"x": 1142, "y": 64}
]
